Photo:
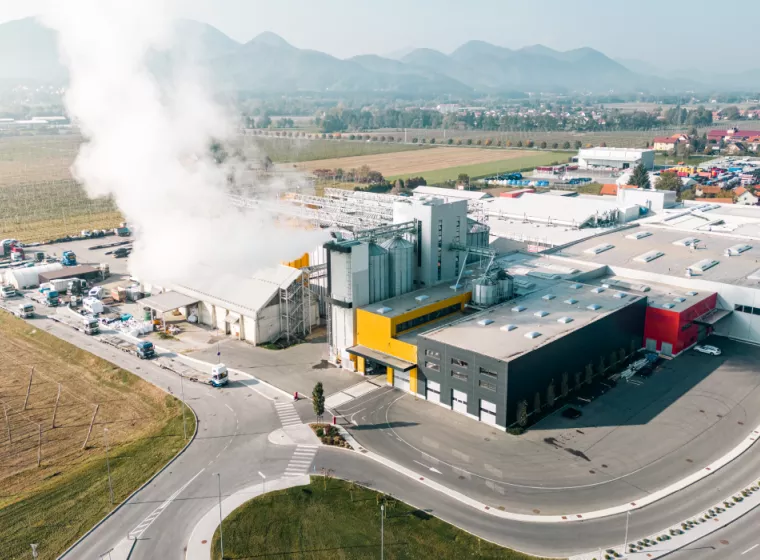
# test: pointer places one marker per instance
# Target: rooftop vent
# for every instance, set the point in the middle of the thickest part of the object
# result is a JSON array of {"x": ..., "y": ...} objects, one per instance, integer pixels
[
  {"x": 565, "y": 320},
  {"x": 692, "y": 293},
  {"x": 485, "y": 322},
  {"x": 649, "y": 256},
  {"x": 384, "y": 310},
  {"x": 541, "y": 313},
  {"x": 420, "y": 299},
  {"x": 597, "y": 290},
  {"x": 561, "y": 269},
  {"x": 524, "y": 284},
  {"x": 571, "y": 301},
  {"x": 575, "y": 286},
  {"x": 594, "y": 307},
  {"x": 686, "y": 241},
  {"x": 509, "y": 327},
  {"x": 679, "y": 299},
  {"x": 532, "y": 334},
  {"x": 543, "y": 275},
  {"x": 619, "y": 295},
  {"x": 519, "y": 308},
  {"x": 639, "y": 235},
  {"x": 596, "y": 249},
  {"x": 668, "y": 305},
  {"x": 549, "y": 297},
  {"x": 703, "y": 265},
  {"x": 738, "y": 249}
]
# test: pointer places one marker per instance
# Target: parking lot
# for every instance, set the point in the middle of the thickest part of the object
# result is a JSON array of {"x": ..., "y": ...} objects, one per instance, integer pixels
[{"x": 636, "y": 438}]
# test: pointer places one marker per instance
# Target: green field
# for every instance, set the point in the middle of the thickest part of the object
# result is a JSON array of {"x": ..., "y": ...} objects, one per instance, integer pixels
[
  {"x": 333, "y": 519},
  {"x": 55, "y": 503},
  {"x": 292, "y": 150},
  {"x": 526, "y": 163}
]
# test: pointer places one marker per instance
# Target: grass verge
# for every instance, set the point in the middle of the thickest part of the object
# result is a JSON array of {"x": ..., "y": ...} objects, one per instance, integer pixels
[
  {"x": 57, "y": 502},
  {"x": 334, "y": 519},
  {"x": 479, "y": 170}
]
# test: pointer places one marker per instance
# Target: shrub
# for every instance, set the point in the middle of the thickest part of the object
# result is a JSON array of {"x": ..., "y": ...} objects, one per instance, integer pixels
[
  {"x": 432, "y": 140},
  {"x": 450, "y": 141},
  {"x": 414, "y": 140},
  {"x": 516, "y": 430},
  {"x": 469, "y": 141},
  {"x": 320, "y": 433}
]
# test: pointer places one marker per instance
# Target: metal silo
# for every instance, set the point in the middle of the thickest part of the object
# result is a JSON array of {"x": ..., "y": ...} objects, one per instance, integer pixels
[
  {"x": 485, "y": 292},
  {"x": 506, "y": 285},
  {"x": 378, "y": 273},
  {"x": 400, "y": 264},
  {"x": 477, "y": 234}
]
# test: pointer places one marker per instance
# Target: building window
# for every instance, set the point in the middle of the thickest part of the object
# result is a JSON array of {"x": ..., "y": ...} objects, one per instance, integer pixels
[
  {"x": 433, "y": 354},
  {"x": 458, "y": 362},
  {"x": 487, "y": 386},
  {"x": 432, "y": 316},
  {"x": 433, "y": 366},
  {"x": 459, "y": 376},
  {"x": 489, "y": 373}
]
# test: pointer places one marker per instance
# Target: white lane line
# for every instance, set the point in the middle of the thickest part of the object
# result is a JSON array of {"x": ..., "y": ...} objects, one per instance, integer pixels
[
  {"x": 138, "y": 531},
  {"x": 428, "y": 468},
  {"x": 228, "y": 406},
  {"x": 750, "y": 549}
]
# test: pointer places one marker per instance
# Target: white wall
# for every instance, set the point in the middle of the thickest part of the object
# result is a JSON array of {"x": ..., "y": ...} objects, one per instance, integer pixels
[{"x": 267, "y": 325}]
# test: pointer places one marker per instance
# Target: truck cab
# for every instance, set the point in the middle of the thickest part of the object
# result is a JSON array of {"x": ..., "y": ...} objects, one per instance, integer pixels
[
  {"x": 26, "y": 310},
  {"x": 52, "y": 298},
  {"x": 76, "y": 286},
  {"x": 7, "y": 292},
  {"x": 122, "y": 231},
  {"x": 145, "y": 350},
  {"x": 91, "y": 326},
  {"x": 69, "y": 258},
  {"x": 219, "y": 375},
  {"x": 17, "y": 254}
]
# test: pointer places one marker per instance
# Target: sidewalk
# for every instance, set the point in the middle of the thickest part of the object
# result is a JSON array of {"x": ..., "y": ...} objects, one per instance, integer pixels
[{"x": 199, "y": 545}]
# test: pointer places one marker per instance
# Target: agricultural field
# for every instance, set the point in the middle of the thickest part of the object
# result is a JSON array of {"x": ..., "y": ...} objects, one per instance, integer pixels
[
  {"x": 293, "y": 150},
  {"x": 55, "y": 502},
  {"x": 437, "y": 159},
  {"x": 332, "y": 518},
  {"x": 32, "y": 159}
]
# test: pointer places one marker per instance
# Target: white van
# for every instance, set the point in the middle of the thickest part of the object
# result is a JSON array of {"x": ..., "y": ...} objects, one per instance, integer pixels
[
  {"x": 96, "y": 292},
  {"x": 92, "y": 305},
  {"x": 219, "y": 375}
]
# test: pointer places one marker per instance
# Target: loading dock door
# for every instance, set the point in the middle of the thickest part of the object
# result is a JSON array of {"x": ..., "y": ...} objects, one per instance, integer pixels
[
  {"x": 667, "y": 349},
  {"x": 488, "y": 412},
  {"x": 651, "y": 345},
  {"x": 401, "y": 379},
  {"x": 459, "y": 401},
  {"x": 433, "y": 391}
]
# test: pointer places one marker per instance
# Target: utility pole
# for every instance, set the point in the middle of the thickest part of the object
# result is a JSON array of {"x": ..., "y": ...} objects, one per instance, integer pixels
[
  {"x": 263, "y": 482},
  {"x": 108, "y": 466},
  {"x": 221, "y": 534},
  {"x": 627, "y": 520},
  {"x": 182, "y": 389},
  {"x": 55, "y": 410},
  {"x": 28, "y": 389},
  {"x": 382, "y": 531}
]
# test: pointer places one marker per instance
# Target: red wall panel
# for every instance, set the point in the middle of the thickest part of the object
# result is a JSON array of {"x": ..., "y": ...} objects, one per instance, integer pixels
[{"x": 676, "y": 328}]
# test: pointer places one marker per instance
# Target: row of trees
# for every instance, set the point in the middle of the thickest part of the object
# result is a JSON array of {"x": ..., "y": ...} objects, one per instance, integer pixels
[{"x": 362, "y": 174}]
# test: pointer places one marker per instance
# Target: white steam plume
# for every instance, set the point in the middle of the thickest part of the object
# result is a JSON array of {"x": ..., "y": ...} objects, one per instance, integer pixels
[{"x": 147, "y": 144}]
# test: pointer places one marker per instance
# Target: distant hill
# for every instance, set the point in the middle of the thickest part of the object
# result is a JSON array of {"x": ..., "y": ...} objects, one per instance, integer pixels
[{"x": 269, "y": 64}]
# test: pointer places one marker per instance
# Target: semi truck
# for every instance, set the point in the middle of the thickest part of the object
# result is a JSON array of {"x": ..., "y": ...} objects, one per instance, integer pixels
[
  {"x": 25, "y": 311},
  {"x": 7, "y": 292},
  {"x": 122, "y": 231},
  {"x": 69, "y": 258},
  {"x": 91, "y": 325},
  {"x": 76, "y": 287},
  {"x": 52, "y": 298}
]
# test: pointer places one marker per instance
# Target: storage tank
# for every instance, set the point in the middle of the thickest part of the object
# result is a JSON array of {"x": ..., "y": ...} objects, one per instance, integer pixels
[
  {"x": 378, "y": 273},
  {"x": 29, "y": 277},
  {"x": 485, "y": 292},
  {"x": 400, "y": 265},
  {"x": 506, "y": 285}
]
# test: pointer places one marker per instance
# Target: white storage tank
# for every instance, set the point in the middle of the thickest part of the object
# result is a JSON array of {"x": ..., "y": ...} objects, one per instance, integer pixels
[
  {"x": 506, "y": 286},
  {"x": 400, "y": 265},
  {"x": 485, "y": 292},
  {"x": 378, "y": 273}
]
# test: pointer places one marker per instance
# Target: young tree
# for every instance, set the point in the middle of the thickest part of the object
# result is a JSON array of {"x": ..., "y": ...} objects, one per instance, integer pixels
[
  {"x": 566, "y": 145},
  {"x": 578, "y": 144},
  {"x": 522, "y": 413},
  {"x": 463, "y": 179},
  {"x": 565, "y": 387},
  {"x": 542, "y": 145},
  {"x": 537, "y": 402},
  {"x": 640, "y": 177},
  {"x": 318, "y": 400},
  {"x": 668, "y": 182}
]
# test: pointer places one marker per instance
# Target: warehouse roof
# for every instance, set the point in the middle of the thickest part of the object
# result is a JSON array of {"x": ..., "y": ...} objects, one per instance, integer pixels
[
  {"x": 558, "y": 209},
  {"x": 168, "y": 301},
  {"x": 399, "y": 305},
  {"x": 613, "y": 154},
  {"x": 236, "y": 293},
  {"x": 509, "y": 330},
  {"x": 451, "y": 193},
  {"x": 69, "y": 272}
]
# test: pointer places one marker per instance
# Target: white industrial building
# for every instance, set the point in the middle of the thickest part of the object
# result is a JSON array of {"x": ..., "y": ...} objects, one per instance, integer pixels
[
  {"x": 450, "y": 195},
  {"x": 272, "y": 304},
  {"x": 650, "y": 200},
  {"x": 614, "y": 158},
  {"x": 29, "y": 277}
]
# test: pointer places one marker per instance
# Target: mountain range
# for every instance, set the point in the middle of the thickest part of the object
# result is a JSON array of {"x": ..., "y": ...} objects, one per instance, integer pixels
[{"x": 269, "y": 64}]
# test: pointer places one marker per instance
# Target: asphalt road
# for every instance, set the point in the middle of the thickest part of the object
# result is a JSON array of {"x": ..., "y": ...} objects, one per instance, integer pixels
[
  {"x": 233, "y": 427},
  {"x": 738, "y": 541}
]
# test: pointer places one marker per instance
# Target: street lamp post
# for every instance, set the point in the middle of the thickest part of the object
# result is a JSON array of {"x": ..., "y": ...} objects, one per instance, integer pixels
[
  {"x": 34, "y": 550},
  {"x": 263, "y": 482},
  {"x": 382, "y": 531},
  {"x": 221, "y": 534},
  {"x": 627, "y": 520},
  {"x": 108, "y": 466}
]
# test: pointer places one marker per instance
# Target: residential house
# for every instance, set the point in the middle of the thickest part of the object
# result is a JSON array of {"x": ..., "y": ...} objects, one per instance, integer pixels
[
  {"x": 745, "y": 196},
  {"x": 735, "y": 148},
  {"x": 703, "y": 190},
  {"x": 732, "y": 134},
  {"x": 665, "y": 144}
]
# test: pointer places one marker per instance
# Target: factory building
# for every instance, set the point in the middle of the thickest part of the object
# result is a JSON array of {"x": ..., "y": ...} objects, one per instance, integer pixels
[{"x": 614, "y": 158}]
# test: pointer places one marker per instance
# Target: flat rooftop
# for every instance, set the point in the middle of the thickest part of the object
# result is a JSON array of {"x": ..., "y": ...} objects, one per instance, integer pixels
[
  {"x": 663, "y": 296},
  {"x": 404, "y": 303},
  {"x": 558, "y": 309},
  {"x": 670, "y": 252}
]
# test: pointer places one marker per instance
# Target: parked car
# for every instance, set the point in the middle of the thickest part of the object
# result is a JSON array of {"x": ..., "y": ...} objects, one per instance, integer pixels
[
  {"x": 572, "y": 413},
  {"x": 707, "y": 349}
]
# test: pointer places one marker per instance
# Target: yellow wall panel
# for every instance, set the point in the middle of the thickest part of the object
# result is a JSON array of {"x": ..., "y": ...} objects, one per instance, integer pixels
[{"x": 413, "y": 380}]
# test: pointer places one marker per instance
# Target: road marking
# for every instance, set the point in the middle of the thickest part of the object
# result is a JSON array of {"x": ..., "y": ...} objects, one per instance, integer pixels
[
  {"x": 138, "y": 531},
  {"x": 228, "y": 406},
  {"x": 429, "y": 468},
  {"x": 750, "y": 549}
]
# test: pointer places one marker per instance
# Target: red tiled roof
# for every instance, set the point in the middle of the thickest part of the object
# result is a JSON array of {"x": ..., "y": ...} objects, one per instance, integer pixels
[
  {"x": 739, "y": 191},
  {"x": 709, "y": 189},
  {"x": 610, "y": 189}
]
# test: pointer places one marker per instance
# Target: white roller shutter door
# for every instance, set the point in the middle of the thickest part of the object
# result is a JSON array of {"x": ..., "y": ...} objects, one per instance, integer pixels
[
  {"x": 433, "y": 391},
  {"x": 459, "y": 401},
  {"x": 488, "y": 412}
]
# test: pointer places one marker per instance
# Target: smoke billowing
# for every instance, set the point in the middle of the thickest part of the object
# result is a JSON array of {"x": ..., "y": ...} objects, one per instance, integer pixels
[{"x": 147, "y": 145}]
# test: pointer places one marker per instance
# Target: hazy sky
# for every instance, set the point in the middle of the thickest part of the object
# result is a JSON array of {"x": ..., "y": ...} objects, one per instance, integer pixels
[{"x": 667, "y": 32}]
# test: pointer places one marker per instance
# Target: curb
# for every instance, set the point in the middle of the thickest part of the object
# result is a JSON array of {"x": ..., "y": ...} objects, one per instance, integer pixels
[{"x": 142, "y": 486}]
